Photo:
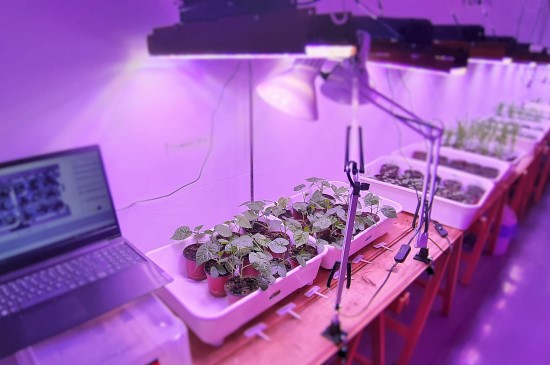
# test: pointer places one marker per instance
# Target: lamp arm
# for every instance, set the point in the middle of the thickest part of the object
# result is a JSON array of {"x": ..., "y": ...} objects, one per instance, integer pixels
[
  {"x": 425, "y": 129},
  {"x": 433, "y": 134}
]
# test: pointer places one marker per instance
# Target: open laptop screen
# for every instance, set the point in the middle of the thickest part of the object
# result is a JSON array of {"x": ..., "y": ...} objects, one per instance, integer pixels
[{"x": 53, "y": 201}]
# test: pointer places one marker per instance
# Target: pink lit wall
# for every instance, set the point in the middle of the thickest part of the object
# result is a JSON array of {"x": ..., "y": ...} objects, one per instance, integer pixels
[{"x": 77, "y": 73}]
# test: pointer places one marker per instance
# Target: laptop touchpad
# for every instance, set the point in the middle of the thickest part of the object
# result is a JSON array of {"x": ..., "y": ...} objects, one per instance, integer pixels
[{"x": 48, "y": 319}]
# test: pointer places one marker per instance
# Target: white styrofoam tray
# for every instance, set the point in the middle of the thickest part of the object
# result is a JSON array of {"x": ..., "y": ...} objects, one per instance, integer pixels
[
  {"x": 212, "y": 319},
  {"x": 502, "y": 166},
  {"x": 448, "y": 212},
  {"x": 363, "y": 238}
]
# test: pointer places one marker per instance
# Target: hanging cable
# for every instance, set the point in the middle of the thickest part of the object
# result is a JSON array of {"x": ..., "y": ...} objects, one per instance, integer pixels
[
  {"x": 390, "y": 271},
  {"x": 210, "y": 145}
]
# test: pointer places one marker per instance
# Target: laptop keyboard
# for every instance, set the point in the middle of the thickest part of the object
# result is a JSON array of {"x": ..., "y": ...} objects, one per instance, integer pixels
[{"x": 26, "y": 291}]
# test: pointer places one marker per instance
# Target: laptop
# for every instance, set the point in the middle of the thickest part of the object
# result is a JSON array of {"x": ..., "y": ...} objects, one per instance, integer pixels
[{"x": 63, "y": 260}]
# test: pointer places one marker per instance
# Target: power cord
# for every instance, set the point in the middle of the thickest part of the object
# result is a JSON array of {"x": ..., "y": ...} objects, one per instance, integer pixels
[
  {"x": 210, "y": 145},
  {"x": 390, "y": 271}
]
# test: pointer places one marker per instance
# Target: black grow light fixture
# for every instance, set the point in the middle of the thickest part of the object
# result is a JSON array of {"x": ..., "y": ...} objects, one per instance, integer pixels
[{"x": 279, "y": 28}]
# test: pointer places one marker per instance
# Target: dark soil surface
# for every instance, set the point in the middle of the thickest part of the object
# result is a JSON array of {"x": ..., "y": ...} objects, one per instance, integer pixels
[
  {"x": 242, "y": 285},
  {"x": 449, "y": 189},
  {"x": 462, "y": 165},
  {"x": 312, "y": 250},
  {"x": 273, "y": 235},
  {"x": 190, "y": 252}
]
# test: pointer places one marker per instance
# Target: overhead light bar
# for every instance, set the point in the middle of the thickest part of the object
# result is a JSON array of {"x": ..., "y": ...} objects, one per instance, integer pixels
[
  {"x": 280, "y": 32},
  {"x": 211, "y": 29},
  {"x": 480, "y": 48},
  {"x": 410, "y": 55}
]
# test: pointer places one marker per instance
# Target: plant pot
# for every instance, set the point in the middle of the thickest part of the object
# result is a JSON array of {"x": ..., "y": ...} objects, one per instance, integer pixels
[
  {"x": 215, "y": 284},
  {"x": 238, "y": 287},
  {"x": 249, "y": 270},
  {"x": 294, "y": 251},
  {"x": 194, "y": 272}
]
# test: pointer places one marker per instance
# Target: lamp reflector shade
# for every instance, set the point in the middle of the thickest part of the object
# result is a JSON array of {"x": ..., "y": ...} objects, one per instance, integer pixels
[
  {"x": 338, "y": 86},
  {"x": 293, "y": 91}
]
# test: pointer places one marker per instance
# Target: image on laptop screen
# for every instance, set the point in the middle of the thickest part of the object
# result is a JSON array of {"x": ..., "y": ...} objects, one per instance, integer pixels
[{"x": 49, "y": 200}]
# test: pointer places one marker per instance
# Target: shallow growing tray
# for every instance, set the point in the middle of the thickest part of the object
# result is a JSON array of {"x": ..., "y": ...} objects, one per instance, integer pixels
[
  {"x": 503, "y": 167},
  {"x": 212, "y": 319},
  {"x": 363, "y": 238},
  {"x": 448, "y": 212}
]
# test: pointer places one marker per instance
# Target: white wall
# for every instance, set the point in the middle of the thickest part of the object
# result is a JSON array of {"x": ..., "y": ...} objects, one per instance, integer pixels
[{"x": 76, "y": 73}]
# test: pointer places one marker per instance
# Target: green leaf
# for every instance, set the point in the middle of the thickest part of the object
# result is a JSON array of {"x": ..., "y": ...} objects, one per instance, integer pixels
[
  {"x": 278, "y": 268},
  {"x": 322, "y": 223},
  {"x": 317, "y": 197},
  {"x": 242, "y": 242},
  {"x": 207, "y": 252},
  {"x": 223, "y": 230},
  {"x": 198, "y": 228},
  {"x": 371, "y": 199},
  {"x": 301, "y": 238},
  {"x": 313, "y": 179},
  {"x": 341, "y": 213},
  {"x": 299, "y": 187},
  {"x": 292, "y": 224},
  {"x": 341, "y": 190},
  {"x": 214, "y": 272},
  {"x": 260, "y": 239},
  {"x": 275, "y": 225},
  {"x": 261, "y": 262},
  {"x": 389, "y": 211},
  {"x": 181, "y": 233},
  {"x": 250, "y": 215},
  {"x": 278, "y": 245},
  {"x": 300, "y": 207},
  {"x": 242, "y": 222},
  {"x": 369, "y": 221},
  {"x": 256, "y": 205},
  {"x": 263, "y": 282},
  {"x": 301, "y": 260},
  {"x": 283, "y": 201}
]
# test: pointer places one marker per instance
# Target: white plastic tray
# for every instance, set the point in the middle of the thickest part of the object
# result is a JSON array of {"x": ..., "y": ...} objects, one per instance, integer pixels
[
  {"x": 448, "y": 212},
  {"x": 362, "y": 239},
  {"x": 502, "y": 166},
  {"x": 212, "y": 319}
]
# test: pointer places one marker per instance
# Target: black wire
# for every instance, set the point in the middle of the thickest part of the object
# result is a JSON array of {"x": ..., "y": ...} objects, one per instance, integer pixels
[
  {"x": 210, "y": 145},
  {"x": 436, "y": 245},
  {"x": 390, "y": 271},
  {"x": 520, "y": 20},
  {"x": 388, "y": 27}
]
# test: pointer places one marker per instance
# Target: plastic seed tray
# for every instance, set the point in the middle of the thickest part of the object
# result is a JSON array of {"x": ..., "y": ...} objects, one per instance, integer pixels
[
  {"x": 504, "y": 168},
  {"x": 452, "y": 213},
  {"x": 210, "y": 318}
]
